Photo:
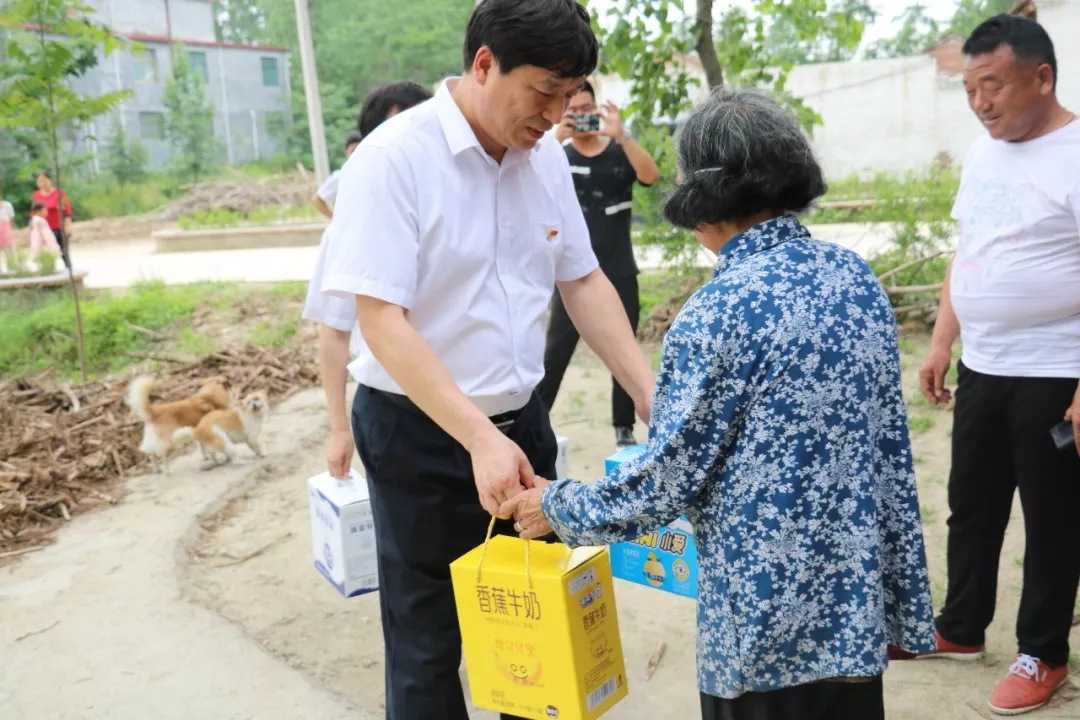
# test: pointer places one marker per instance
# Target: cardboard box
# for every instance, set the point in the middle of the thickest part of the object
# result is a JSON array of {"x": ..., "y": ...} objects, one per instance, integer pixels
[
  {"x": 562, "y": 461},
  {"x": 343, "y": 533},
  {"x": 542, "y": 644},
  {"x": 665, "y": 559}
]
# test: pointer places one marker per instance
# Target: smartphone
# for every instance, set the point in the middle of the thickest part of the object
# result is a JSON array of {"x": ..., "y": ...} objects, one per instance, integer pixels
[
  {"x": 1063, "y": 435},
  {"x": 586, "y": 123}
]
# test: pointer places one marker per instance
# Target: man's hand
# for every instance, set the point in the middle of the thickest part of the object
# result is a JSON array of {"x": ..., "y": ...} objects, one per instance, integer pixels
[
  {"x": 611, "y": 122},
  {"x": 1073, "y": 416},
  {"x": 565, "y": 130},
  {"x": 339, "y": 453},
  {"x": 528, "y": 512},
  {"x": 932, "y": 377},
  {"x": 499, "y": 468}
]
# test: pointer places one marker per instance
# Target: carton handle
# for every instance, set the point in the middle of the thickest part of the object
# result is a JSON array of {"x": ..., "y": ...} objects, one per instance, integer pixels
[{"x": 483, "y": 552}]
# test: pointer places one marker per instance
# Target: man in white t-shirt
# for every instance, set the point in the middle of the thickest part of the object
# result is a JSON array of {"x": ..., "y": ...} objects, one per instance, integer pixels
[
  {"x": 1012, "y": 295},
  {"x": 324, "y": 196},
  {"x": 336, "y": 316}
]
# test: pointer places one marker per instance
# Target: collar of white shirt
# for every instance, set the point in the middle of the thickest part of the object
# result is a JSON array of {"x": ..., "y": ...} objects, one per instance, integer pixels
[{"x": 459, "y": 134}]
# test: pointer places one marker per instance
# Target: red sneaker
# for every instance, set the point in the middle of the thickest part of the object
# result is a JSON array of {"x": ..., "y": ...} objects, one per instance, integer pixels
[
  {"x": 1029, "y": 685},
  {"x": 945, "y": 649}
]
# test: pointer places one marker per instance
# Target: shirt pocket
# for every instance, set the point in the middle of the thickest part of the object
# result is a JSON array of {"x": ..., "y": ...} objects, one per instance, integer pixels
[{"x": 541, "y": 242}]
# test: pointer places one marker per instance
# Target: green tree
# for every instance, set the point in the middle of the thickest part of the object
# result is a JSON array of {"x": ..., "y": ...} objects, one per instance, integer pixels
[
  {"x": 359, "y": 44},
  {"x": 651, "y": 44},
  {"x": 189, "y": 119},
  {"x": 35, "y": 92},
  {"x": 126, "y": 159},
  {"x": 970, "y": 13},
  {"x": 918, "y": 32},
  {"x": 239, "y": 21}
]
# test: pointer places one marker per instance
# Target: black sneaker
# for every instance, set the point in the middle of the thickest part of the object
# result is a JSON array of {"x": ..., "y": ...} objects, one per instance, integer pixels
[{"x": 624, "y": 436}]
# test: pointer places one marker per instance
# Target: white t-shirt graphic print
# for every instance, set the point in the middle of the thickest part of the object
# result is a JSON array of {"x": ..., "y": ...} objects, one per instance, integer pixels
[{"x": 1015, "y": 283}]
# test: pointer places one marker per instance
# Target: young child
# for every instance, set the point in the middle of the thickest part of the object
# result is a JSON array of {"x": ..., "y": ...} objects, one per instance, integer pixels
[
  {"x": 7, "y": 237},
  {"x": 324, "y": 198},
  {"x": 41, "y": 235}
]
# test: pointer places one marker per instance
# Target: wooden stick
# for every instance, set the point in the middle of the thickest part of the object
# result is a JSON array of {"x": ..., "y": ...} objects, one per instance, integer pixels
[
  {"x": 908, "y": 265},
  {"x": 914, "y": 289},
  {"x": 260, "y": 551},
  {"x": 155, "y": 358},
  {"x": 36, "y": 632},
  {"x": 22, "y": 551},
  {"x": 654, "y": 659}
]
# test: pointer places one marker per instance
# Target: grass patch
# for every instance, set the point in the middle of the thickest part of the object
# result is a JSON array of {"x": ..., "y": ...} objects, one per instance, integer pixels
[
  {"x": 655, "y": 288},
  {"x": 265, "y": 215},
  {"x": 37, "y": 327},
  {"x": 41, "y": 334},
  {"x": 919, "y": 424},
  {"x": 927, "y": 514}
]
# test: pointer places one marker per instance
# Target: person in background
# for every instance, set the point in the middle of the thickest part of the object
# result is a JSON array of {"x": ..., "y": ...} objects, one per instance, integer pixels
[
  {"x": 605, "y": 164},
  {"x": 41, "y": 235},
  {"x": 456, "y": 222},
  {"x": 324, "y": 196},
  {"x": 1012, "y": 296},
  {"x": 57, "y": 212},
  {"x": 7, "y": 236},
  {"x": 779, "y": 428},
  {"x": 336, "y": 317}
]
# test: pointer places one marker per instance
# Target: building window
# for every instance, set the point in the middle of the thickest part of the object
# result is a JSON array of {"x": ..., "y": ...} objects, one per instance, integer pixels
[
  {"x": 152, "y": 125},
  {"x": 145, "y": 65},
  {"x": 270, "y": 72},
  {"x": 197, "y": 61}
]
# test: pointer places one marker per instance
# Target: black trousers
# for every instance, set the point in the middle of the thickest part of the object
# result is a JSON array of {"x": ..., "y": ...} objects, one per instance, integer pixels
[
  {"x": 427, "y": 515},
  {"x": 1001, "y": 442},
  {"x": 562, "y": 339},
  {"x": 814, "y": 701}
]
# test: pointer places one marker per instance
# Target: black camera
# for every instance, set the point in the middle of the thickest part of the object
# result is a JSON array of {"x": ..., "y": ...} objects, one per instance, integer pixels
[{"x": 586, "y": 123}]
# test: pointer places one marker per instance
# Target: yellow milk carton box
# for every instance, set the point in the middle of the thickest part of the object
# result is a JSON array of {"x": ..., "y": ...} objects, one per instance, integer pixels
[
  {"x": 343, "y": 533},
  {"x": 539, "y": 629}
]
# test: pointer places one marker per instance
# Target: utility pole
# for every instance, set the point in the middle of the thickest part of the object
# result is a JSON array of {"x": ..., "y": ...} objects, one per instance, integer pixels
[{"x": 311, "y": 92}]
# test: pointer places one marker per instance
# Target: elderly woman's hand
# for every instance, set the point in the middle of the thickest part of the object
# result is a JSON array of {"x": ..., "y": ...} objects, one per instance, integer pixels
[{"x": 528, "y": 512}]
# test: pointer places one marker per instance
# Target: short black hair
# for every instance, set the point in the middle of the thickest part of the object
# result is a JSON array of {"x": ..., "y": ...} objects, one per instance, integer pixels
[
  {"x": 741, "y": 153},
  {"x": 37, "y": 206},
  {"x": 46, "y": 173},
  {"x": 556, "y": 35},
  {"x": 353, "y": 138},
  {"x": 1027, "y": 38},
  {"x": 587, "y": 87},
  {"x": 384, "y": 98}
]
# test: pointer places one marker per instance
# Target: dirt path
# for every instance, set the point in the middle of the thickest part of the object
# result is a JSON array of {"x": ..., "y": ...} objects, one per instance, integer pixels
[
  {"x": 160, "y": 615},
  {"x": 100, "y": 624}
]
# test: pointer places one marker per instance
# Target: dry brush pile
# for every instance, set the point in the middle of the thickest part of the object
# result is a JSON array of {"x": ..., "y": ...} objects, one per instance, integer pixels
[{"x": 65, "y": 449}]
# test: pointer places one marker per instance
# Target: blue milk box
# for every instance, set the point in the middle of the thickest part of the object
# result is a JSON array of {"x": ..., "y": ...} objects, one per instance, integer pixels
[
  {"x": 343, "y": 533},
  {"x": 665, "y": 559}
]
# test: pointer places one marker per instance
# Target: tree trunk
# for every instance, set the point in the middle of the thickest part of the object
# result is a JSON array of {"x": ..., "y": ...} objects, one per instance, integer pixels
[
  {"x": 65, "y": 252},
  {"x": 706, "y": 46}
]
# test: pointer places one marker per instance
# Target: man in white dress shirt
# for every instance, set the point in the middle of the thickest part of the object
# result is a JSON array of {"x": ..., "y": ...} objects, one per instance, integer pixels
[
  {"x": 1012, "y": 295},
  {"x": 336, "y": 316},
  {"x": 456, "y": 221}
]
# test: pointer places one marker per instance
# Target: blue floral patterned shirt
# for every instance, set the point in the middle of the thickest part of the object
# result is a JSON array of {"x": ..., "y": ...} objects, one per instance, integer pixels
[{"x": 779, "y": 429}]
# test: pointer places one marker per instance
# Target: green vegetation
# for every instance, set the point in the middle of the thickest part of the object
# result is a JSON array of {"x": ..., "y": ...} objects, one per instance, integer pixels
[
  {"x": 149, "y": 318},
  {"x": 223, "y": 218}
]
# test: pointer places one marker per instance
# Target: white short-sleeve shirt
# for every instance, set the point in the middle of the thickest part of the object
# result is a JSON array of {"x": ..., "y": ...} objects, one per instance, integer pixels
[
  {"x": 1015, "y": 283},
  {"x": 329, "y": 188},
  {"x": 470, "y": 247},
  {"x": 330, "y": 310}
]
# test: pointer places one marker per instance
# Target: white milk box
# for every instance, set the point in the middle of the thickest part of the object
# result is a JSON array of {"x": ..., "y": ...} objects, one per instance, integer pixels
[
  {"x": 562, "y": 461},
  {"x": 343, "y": 533}
]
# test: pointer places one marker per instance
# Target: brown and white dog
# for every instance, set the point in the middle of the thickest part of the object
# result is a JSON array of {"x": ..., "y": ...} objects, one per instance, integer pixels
[
  {"x": 220, "y": 431},
  {"x": 162, "y": 420}
]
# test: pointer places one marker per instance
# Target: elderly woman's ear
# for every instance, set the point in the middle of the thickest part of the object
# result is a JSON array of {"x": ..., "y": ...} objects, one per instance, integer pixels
[{"x": 740, "y": 155}]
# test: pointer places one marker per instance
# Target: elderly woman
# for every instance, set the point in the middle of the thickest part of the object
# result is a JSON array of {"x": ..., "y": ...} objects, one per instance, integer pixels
[{"x": 779, "y": 429}]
